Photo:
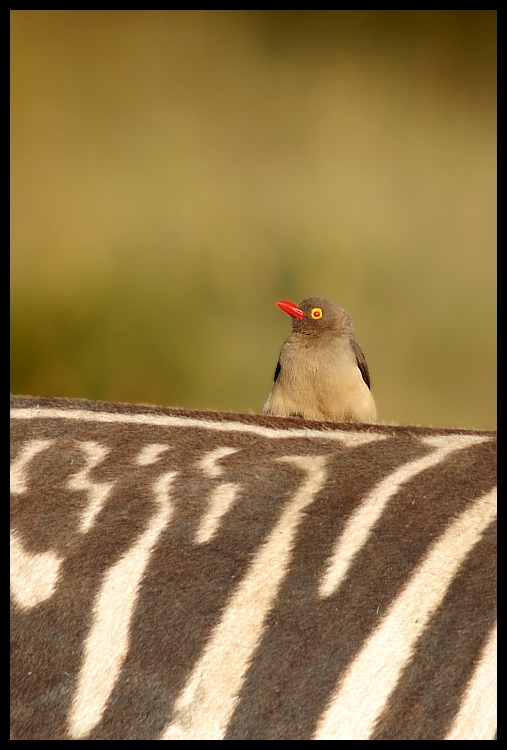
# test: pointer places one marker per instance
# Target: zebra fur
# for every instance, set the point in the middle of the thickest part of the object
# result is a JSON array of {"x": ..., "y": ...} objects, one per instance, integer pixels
[{"x": 201, "y": 575}]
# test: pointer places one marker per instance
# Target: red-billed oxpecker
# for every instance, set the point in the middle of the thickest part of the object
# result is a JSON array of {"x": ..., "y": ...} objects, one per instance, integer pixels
[{"x": 321, "y": 372}]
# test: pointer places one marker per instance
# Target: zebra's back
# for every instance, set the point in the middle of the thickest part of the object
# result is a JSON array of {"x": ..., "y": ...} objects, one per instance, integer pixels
[{"x": 204, "y": 575}]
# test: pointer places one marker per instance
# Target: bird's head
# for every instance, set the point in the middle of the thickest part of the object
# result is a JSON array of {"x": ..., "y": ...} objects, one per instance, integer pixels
[{"x": 316, "y": 315}]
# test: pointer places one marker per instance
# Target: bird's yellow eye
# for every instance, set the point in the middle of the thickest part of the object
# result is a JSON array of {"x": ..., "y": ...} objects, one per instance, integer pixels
[{"x": 316, "y": 313}]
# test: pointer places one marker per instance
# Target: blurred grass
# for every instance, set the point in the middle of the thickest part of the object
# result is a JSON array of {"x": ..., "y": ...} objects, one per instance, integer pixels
[{"x": 175, "y": 173}]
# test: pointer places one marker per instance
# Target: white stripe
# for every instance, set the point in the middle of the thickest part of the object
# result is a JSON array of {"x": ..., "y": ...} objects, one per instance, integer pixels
[
  {"x": 97, "y": 491},
  {"x": 150, "y": 454},
  {"x": 219, "y": 503},
  {"x": 222, "y": 496},
  {"x": 349, "y": 439},
  {"x": 359, "y": 526},
  {"x": 205, "y": 706},
  {"x": 108, "y": 640},
  {"x": 34, "y": 577},
  {"x": 477, "y": 716},
  {"x": 209, "y": 463},
  {"x": 368, "y": 682},
  {"x": 20, "y": 465}
]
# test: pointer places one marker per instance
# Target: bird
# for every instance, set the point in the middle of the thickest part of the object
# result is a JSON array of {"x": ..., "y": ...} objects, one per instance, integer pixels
[{"x": 322, "y": 372}]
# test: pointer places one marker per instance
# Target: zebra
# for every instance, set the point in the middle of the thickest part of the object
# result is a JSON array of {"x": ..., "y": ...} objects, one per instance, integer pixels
[{"x": 206, "y": 575}]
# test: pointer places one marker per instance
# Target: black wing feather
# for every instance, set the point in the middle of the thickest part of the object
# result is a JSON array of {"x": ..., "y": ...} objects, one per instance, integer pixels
[{"x": 361, "y": 361}]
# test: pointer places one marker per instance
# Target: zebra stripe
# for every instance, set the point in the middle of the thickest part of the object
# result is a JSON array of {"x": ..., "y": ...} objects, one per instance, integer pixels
[
  {"x": 200, "y": 575},
  {"x": 476, "y": 718},
  {"x": 364, "y": 690},
  {"x": 368, "y": 513},
  {"x": 207, "y": 702}
]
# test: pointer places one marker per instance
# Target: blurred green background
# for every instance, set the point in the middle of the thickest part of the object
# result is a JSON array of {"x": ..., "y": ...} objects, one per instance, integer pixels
[{"x": 174, "y": 173}]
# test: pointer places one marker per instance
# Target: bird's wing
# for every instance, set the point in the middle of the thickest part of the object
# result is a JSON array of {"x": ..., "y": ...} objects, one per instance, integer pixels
[
  {"x": 277, "y": 371},
  {"x": 361, "y": 360}
]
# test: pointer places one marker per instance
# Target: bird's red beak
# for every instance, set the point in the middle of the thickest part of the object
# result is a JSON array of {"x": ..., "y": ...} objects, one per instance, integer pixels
[{"x": 291, "y": 308}]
